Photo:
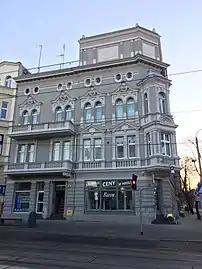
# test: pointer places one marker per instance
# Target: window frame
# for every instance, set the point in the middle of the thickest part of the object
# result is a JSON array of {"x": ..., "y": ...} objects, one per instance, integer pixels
[
  {"x": 118, "y": 106},
  {"x": 69, "y": 150},
  {"x": 97, "y": 146},
  {"x": 39, "y": 202},
  {"x": 34, "y": 114},
  {"x": 68, "y": 110},
  {"x": 85, "y": 147},
  {"x": 54, "y": 150},
  {"x": 87, "y": 109},
  {"x": 146, "y": 103},
  {"x": 128, "y": 104},
  {"x": 16, "y": 191},
  {"x": 165, "y": 143},
  {"x": 29, "y": 152},
  {"x": 162, "y": 103},
  {"x": 122, "y": 145},
  {"x": 131, "y": 144},
  {"x": 25, "y": 116},
  {"x": 19, "y": 152},
  {"x": 148, "y": 144},
  {"x": 58, "y": 111},
  {"x": 4, "y": 109},
  {"x": 98, "y": 107}
]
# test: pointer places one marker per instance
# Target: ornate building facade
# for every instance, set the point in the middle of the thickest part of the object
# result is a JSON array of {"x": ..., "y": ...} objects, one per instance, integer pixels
[{"x": 80, "y": 133}]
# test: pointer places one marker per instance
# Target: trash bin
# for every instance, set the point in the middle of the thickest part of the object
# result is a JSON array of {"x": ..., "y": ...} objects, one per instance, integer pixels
[{"x": 32, "y": 220}]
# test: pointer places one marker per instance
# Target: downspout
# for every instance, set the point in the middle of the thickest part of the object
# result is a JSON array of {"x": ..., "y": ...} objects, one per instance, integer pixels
[{"x": 74, "y": 172}]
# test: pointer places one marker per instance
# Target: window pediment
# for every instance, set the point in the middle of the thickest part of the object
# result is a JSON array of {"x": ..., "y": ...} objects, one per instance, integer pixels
[
  {"x": 125, "y": 126},
  {"x": 92, "y": 129},
  {"x": 166, "y": 120},
  {"x": 92, "y": 96},
  {"x": 124, "y": 92},
  {"x": 29, "y": 104},
  {"x": 62, "y": 100}
]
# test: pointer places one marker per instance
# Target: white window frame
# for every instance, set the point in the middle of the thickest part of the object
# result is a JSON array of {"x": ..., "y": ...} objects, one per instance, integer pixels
[
  {"x": 162, "y": 103},
  {"x": 96, "y": 146},
  {"x": 55, "y": 149},
  {"x": 4, "y": 109},
  {"x": 87, "y": 147},
  {"x": 21, "y": 152},
  {"x": 117, "y": 145},
  {"x": 68, "y": 111},
  {"x": 146, "y": 103},
  {"x": 66, "y": 146},
  {"x": 131, "y": 144},
  {"x": 88, "y": 107},
  {"x": 34, "y": 115},
  {"x": 148, "y": 144},
  {"x": 25, "y": 116},
  {"x": 58, "y": 112},
  {"x": 164, "y": 143},
  {"x": 39, "y": 202},
  {"x": 31, "y": 152}
]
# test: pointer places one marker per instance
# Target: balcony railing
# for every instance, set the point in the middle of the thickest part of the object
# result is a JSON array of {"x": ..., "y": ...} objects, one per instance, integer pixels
[
  {"x": 41, "y": 129},
  {"x": 46, "y": 167}
]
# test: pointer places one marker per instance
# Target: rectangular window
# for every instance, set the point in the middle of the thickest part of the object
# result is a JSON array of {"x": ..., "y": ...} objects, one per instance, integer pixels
[
  {"x": 120, "y": 147},
  {"x": 31, "y": 153},
  {"x": 131, "y": 146},
  {"x": 4, "y": 107},
  {"x": 40, "y": 197},
  {"x": 148, "y": 141},
  {"x": 22, "y": 197},
  {"x": 165, "y": 144},
  {"x": 1, "y": 143},
  {"x": 66, "y": 150},
  {"x": 109, "y": 195},
  {"x": 97, "y": 149},
  {"x": 21, "y": 153},
  {"x": 87, "y": 150},
  {"x": 56, "y": 151}
]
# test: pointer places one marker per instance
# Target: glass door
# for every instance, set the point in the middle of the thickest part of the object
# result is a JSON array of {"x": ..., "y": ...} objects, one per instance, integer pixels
[{"x": 39, "y": 202}]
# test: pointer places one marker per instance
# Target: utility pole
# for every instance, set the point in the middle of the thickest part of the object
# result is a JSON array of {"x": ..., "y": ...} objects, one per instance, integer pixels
[{"x": 199, "y": 158}]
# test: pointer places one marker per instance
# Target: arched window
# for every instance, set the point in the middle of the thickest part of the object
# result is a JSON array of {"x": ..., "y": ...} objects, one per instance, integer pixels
[
  {"x": 8, "y": 81},
  {"x": 25, "y": 117},
  {"x": 146, "y": 104},
  {"x": 58, "y": 114},
  {"x": 87, "y": 112},
  {"x": 130, "y": 108},
  {"x": 98, "y": 111},
  {"x": 34, "y": 115},
  {"x": 68, "y": 113},
  {"x": 119, "y": 109},
  {"x": 162, "y": 102}
]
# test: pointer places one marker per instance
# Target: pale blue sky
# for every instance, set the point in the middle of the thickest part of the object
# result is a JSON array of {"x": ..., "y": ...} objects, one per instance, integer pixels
[{"x": 55, "y": 22}]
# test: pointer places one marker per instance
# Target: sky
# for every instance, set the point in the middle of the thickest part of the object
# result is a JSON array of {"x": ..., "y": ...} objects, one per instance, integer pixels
[{"x": 24, "y": 24}]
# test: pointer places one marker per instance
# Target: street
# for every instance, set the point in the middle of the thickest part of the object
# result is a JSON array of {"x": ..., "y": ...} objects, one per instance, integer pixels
[{"x": 65, "y": 255}]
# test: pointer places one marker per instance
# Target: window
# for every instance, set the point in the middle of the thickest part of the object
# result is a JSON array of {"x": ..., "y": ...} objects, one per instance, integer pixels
[
  {"x": 25, "y": 117},
  {"x": 130, "y": 108},
  {"x": 119, "y": 109},
  {"x": 146, "y": 105},
  {"x": 58, "y": 114},
  {"x": 162, "y": 102},
  {"x": 34, "y": 115},
  {"x": 110, "y": 195},
  {"x": 40, "y": 197},
  {"x": 4, "y": 108},
  {"x": 148, "y": 142},
  {"x": 87, "y": 112},
  {"x": 56, "y": 151},
  {"x": 165, "y": 144},
  {"x": 31, "y": 153},
  {"x": 87, "y": 150},
  {"x": 119, "y": 147},
  {"x": 1, "y": 143},
  {"x": 22, "y": 197},
  {"x": 98, "y": 111},
  {"x": 66, "y": 150},
  {"x": 131, "y": 146},
  {"x": 8, "y": 81},
  {"x": 68, "y": 113},
  {"x": 21, "y": 153},
  {"x": 97, "y": 148}
]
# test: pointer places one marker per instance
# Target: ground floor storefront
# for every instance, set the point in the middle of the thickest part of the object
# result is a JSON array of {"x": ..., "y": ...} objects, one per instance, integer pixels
[{"x": 96, "y": 196}]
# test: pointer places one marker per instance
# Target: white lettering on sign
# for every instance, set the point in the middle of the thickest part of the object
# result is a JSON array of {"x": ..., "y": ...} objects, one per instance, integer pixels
[
  {"x": 109, "y": 183},
  {"x": 108, "y": 195}
]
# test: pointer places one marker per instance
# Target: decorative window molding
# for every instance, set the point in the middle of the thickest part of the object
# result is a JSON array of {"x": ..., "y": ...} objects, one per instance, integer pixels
[
  {"x": 36, "y": 90},
  {"x": 60, "y": 87},
  {"x": 62, "y": 100},
  {"x": 30, "y": 104},
  {"x": 69, "y": 85},
  {"x": 98, "y": 81},
  {"x": 88, "y": 82},
  {"x": 118, "y": 77},
  {"x": 92, "y": 96},
  {"x": 124, "y": 92},
  {"x": 27, "y": 91},
  {"x": 129, "y": 76}
]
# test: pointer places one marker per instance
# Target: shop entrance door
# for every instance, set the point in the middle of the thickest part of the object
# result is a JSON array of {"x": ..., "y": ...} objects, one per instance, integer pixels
[{"x": 58, "y": 200}]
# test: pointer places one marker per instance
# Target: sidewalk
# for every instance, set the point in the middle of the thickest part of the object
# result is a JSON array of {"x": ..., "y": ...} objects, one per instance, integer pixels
[{"x": 190, "y": 229}]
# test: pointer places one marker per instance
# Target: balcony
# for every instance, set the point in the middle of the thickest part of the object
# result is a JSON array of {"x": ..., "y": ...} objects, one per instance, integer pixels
[
  {"x": 41, "y": 130},
  {"x": 38, "y": 168}
]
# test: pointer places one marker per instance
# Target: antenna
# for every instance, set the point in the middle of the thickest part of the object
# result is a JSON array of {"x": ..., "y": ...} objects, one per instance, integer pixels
[
  {"x": 62, "y": 56},
  {"x": 40, "y": 54}
]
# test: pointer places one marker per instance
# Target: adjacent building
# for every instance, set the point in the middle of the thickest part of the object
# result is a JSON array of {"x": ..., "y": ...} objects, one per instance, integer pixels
[{"x": 80, "y": 133}]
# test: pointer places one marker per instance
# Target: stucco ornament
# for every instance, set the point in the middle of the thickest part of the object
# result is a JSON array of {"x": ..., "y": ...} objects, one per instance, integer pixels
[
  {"x": 124, "y": 92},
  {"x": 92, "y": 96},
  {"x": 62, "y": 100},
  {"x": 30, "y": 104}
]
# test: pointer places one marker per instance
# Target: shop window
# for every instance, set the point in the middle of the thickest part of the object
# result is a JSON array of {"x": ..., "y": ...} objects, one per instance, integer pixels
[
  {"x": 112, "y": 195},
  {"x": 22, "y": 197},
  {"x": 40, "y": 197}
]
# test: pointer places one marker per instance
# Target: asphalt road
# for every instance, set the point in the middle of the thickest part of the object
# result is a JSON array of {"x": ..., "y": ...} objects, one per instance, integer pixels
[{"x": 65, "y": 255}]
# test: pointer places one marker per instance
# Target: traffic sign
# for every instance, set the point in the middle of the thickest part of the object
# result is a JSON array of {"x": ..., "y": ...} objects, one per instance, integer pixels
[{"x": 199, "y": 188}]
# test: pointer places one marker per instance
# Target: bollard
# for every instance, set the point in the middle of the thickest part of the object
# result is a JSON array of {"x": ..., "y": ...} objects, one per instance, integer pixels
[{"x": 32, "y": 220}]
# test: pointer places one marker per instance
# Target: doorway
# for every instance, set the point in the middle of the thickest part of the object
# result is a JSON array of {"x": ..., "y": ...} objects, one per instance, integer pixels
[{"x": 58, "y": 200}]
